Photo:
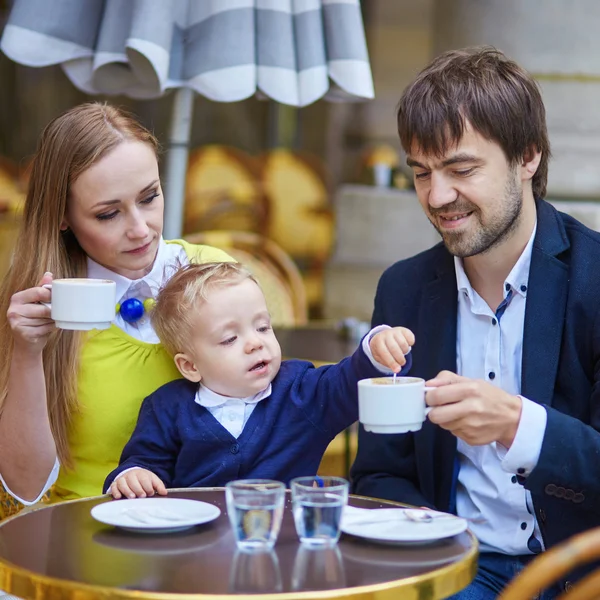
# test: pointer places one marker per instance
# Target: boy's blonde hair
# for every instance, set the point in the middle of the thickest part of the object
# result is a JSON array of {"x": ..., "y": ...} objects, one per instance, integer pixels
[{"x": 178, "y": 299}]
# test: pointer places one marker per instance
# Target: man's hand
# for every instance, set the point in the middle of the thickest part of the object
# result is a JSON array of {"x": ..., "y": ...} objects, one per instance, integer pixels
[
  {"x": 473, "y": 410},
  {"x": 389, "y": 347},
  {"x": 137, "y": 483}
]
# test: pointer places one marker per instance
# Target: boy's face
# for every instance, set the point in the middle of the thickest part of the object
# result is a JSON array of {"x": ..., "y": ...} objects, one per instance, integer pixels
[{"x": 234, "y": 351}]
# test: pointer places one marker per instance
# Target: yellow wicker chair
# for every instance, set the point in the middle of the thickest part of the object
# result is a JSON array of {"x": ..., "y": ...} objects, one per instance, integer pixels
[
  {"x": 557, "y": 562},
  {"x": 223, "y": 191},
  {"x": 277, "y": 274}
]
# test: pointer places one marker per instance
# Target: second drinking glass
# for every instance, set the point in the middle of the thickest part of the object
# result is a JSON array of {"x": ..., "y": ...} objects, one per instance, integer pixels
[{"x": 317, "y": 504}]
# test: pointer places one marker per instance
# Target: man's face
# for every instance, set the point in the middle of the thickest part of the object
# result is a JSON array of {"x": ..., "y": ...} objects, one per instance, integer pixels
[{"x": 471, "y": 195}]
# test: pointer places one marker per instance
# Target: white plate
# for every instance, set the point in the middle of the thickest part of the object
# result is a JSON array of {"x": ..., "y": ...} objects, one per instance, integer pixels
[
  {"x": 390, "y": 525},
  {"x": 155, "y": 515}
]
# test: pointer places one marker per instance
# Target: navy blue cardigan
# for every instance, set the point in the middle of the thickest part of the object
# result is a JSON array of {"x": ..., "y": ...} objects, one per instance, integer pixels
[{"x": 285, "y": 436}]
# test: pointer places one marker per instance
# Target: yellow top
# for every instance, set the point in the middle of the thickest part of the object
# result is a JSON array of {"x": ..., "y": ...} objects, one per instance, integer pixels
[{"x": 117, "y": 372}]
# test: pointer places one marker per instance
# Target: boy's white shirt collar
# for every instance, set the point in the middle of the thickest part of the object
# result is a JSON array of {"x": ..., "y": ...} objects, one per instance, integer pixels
[
  {"x": 209, "y": 399},
  {"x": 153, "y": 279}
]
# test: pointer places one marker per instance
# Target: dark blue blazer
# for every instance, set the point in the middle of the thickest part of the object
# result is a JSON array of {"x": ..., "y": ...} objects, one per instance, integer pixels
[{"x": 560, "y": 370}]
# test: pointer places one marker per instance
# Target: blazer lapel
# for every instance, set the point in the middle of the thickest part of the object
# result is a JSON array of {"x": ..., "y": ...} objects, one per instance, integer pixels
[
  {"x": 545, "y": 309},
  {"x": 437, "y": 323},
  {"x": 435, "y": 353}
]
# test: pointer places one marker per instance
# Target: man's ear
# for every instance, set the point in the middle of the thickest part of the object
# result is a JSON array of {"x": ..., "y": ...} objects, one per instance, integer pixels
[
  {"x": 187, "y": 367},
  {"x": 530, "y": 164}
]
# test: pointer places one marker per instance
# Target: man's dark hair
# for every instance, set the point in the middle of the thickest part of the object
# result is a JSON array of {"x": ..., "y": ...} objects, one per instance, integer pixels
[{"x": 500, "y": 100}]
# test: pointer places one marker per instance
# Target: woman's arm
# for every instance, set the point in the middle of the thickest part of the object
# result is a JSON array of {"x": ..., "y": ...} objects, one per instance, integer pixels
[{"x": 27, "y": 448}]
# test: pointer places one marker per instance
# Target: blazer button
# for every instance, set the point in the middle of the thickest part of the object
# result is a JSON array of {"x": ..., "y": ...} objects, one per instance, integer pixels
[
  {"x": 568, "y": 586},
  {"x": 560, "y": 492},
  {"x": 550, "y": 489},
  {"x": 235, "y": 448},
  {"x": 569, "y": 495},
  {"x": 579, "y": 497}
]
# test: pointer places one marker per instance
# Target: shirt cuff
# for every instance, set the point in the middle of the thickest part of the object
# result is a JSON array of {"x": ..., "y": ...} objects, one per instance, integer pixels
[
  {"x": 366, "y": 347},
  {"x": 49, "y": 483},
  {"x": 523, "y": 455}
]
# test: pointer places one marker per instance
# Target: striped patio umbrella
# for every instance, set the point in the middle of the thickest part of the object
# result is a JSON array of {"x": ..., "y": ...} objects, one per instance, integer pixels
[{"x": 293, "y": 51}]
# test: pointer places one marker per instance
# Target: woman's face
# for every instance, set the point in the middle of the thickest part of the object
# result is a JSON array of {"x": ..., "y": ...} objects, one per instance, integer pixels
[{"x": 115, "y": 210}]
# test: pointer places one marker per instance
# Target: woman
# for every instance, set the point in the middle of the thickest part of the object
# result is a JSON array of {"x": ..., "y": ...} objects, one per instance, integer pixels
[{"x": 94, "y": 209}]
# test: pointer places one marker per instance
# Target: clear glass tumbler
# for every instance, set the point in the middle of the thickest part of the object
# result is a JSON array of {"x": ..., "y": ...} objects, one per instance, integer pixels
[
  {"x": 317, "y": 504},
  {"x": 255, "y": 509}
]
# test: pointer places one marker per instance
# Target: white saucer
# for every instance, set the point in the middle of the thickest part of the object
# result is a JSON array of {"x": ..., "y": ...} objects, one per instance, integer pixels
[
  {"x": 390, "y": 526},
  {"x": 155, "y": 515}
]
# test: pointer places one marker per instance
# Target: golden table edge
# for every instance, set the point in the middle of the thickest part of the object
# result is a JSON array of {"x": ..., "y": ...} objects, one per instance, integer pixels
[{"x": 440, "y": 583}]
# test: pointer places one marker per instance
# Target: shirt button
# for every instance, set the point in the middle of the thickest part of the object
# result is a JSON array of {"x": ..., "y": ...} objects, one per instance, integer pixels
[
  {"x": 523, "y": 288},
  {"x": 235, "y": 448},
  {"x": 523, "y": 526},
  {"x": 231, "y": 416},
  {"x": 492, "y": 375},
  {"x": 514, "y": 479},
  {"x": 494, "y": 322},
  {"x": 507, "y": 287},
  {"x": 521, "y": 471}
]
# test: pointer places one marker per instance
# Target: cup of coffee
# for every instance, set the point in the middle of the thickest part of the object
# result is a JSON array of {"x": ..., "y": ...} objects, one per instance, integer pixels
[
  {"x": 388, "y": 406},
  {"x": 82, "y": 304}
]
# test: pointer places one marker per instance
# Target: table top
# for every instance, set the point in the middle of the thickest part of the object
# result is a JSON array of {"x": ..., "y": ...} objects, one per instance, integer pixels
[
  {"x": 320, "y": 344},
  {"x": 60, "y": 552}
]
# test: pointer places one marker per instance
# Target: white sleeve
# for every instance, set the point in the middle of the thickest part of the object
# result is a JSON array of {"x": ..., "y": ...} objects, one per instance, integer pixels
[
  {"x": 523, "y": 455},
  {"x": 49, "y": 482}
]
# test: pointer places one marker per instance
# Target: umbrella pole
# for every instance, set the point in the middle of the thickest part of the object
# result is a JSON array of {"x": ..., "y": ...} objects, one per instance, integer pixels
[{"x": 178, "y": 147}]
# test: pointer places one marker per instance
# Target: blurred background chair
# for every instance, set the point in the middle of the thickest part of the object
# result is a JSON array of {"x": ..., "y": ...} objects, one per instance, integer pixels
[
  {"x": 277, "y": 274},
  {"x": 557, "y": 562},
  {"x": 223, "y": 191},
  {"x": 300, "y": 216},
  {"x": 12, "y": 197}
]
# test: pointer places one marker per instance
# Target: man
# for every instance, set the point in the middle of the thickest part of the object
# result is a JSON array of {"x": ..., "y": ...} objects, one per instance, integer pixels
[{"x": 505, "y": 314}]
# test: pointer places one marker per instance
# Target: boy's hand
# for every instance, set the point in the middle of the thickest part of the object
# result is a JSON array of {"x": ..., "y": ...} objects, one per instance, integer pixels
[
  {"x": 390, "y": 345},
  {"x": 137, "y": 483}
]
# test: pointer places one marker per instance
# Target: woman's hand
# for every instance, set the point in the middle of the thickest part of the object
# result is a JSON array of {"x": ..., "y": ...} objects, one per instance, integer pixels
[{"x": 29, "y": 320}]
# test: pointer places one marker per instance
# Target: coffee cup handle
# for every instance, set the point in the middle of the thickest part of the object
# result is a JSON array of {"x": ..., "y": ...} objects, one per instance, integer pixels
[
  {"x": 428, "y": 408},
  {"x": 48, "y": 286}
]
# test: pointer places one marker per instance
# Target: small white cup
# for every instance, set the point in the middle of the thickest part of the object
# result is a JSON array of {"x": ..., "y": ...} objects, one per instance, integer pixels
[
  {"x": 82, "y": 304},
  {"x": 382, "y": 175},
  {"x": 388, "y": 407}
]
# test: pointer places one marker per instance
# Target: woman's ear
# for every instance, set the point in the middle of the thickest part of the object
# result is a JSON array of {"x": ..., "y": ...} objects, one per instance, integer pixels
[
  {"x": 187, "y": 368},
  {"x": 64, "y": 226}
]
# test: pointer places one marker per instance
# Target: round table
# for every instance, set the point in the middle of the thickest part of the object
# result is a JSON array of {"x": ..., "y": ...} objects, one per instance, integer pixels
[{"x": 60, "y": 552}]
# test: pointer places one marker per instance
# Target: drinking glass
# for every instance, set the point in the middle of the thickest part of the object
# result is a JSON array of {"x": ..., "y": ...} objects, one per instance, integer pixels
[
  {"x": 255, "y": 509},
  {"x": 317, "y": 504}
]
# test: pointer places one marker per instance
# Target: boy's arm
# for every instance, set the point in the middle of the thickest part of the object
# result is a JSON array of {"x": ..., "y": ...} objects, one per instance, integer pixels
[
  {"x": 154, "y": 442},
  {"x": 329, "y": 395}
]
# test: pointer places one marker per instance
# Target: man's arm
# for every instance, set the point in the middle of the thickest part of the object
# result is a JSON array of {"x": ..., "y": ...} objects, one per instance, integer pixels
[{"x": 385, "y": 467}]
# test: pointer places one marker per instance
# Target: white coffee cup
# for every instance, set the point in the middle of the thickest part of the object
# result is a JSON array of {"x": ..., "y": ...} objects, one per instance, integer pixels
[
  {"x": 82, "y": 304},
  {"x": 388, "y": 407}
]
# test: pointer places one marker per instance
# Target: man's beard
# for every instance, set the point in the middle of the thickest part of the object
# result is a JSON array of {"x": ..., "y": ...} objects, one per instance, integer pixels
[{"x": 485, "y": 237}]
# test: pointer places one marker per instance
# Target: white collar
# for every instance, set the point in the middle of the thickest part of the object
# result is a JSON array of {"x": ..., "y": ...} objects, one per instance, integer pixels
[
  {"x": 209, "y": 399},
  {"x": 153, "y": 279},
  {"x": 517, "y": 278}
]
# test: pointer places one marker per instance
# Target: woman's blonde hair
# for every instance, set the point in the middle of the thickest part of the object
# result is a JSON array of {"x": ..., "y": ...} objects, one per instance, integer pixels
[
  {"x": 68, "y": 146},
  {"x": 178, "y": 300}
]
